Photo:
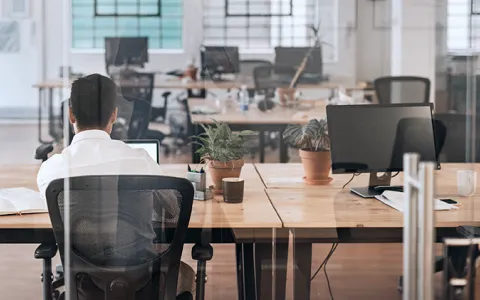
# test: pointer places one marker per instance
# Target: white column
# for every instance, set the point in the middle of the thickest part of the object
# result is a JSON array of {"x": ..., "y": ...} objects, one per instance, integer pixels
[{"x": 413, "y": 39}]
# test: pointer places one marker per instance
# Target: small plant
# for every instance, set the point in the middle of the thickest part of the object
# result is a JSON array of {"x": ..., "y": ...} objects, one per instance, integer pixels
[
  {"x": 312, "y": 136},
  {"x": 219, "y": 143}
]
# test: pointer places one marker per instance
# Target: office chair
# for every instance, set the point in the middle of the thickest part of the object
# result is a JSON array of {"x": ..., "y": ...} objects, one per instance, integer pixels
[
  {"x": 247, "y": 68},
  {"x": 118, "y": 248},
  {"x": 410, "y": 89},
  {"x": 161, "y": 112},
  {"x": 455, "y": 148}
]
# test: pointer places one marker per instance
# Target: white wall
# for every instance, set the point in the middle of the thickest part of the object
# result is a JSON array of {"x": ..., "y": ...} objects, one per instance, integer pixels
[{"x": 373, "y": 40}]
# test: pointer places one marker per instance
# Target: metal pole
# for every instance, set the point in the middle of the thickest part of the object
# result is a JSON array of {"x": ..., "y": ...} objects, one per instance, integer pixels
[
  {"x": 410, "y": 166},
  {"x": 418, "y": 230},
  {"x": 426, "y": 232}
]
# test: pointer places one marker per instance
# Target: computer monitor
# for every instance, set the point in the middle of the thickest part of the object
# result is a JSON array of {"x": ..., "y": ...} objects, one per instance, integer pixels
[
  {"x": 292, "y": 57},
  {"x": 121, "y": 51},
  {"x": 374, "y": 138},
  {"x": 218, "y": 60},
  {"x": 151, "y": 146}
]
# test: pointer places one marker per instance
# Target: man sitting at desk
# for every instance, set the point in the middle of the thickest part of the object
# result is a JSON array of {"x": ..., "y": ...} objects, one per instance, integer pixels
[{"x": 93, "y": 111}]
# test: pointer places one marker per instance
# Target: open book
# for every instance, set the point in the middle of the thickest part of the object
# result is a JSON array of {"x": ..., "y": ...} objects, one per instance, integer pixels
[
  {"x": 21, "y": 201},
  {"x": 397, "y": 200}
]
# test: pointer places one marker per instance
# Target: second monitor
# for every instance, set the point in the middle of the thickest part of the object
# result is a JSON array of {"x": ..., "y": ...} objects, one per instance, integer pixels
[{"x": 374, "y": 138}]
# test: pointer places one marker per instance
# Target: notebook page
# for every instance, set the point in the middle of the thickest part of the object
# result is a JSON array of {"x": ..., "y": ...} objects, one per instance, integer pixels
[
  {"x": 396, "y": 200},
  {"x": 24, "y": 200},
  {"x": 7, "y": 208}
]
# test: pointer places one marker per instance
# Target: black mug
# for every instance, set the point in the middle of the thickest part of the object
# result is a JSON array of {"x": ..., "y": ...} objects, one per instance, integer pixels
[{"x": 233, "y": 190}]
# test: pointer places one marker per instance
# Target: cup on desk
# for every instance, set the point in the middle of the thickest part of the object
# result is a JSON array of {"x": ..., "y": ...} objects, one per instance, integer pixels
[
  {"x": 233, "y": 190},
  {"x": 466, "y": 182}
]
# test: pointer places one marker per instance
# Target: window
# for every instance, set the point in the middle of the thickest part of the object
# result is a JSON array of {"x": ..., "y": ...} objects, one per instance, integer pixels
[
  {"x": 458, "y": 27},
  {"x": 93, "y": 20},
  {"x": 266, "y": 24}
]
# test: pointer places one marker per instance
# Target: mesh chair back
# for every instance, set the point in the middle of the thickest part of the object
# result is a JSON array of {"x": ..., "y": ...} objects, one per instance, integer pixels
[
  {"x": 263, "y": 80},
  {"x": 455, "y": 147},
  {"x": 126, "y": 234},
  {"x": 248, "y": 66},
  {"x": 402, "y": 89},
  {"x": 140, "y": 119},
  {"x": 408, "y": 139},
  {"x": 134, "y": 86}
]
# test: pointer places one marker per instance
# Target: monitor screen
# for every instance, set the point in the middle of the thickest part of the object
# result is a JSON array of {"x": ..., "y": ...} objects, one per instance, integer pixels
[
  {"x": 152, "y": 147},
  {"x": 374, "y": 138},
  {"x": 221, "y": 59},
  {"x": 293, "y": 56},
  {"x": 126, "y": 50}
]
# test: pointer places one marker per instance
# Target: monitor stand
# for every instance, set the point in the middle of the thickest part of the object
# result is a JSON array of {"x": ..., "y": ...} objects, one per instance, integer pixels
[{"x": 368, "y": 192}]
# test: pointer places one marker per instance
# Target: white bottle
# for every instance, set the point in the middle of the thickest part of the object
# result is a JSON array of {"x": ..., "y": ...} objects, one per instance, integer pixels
[{"x": 244, "y": 98}]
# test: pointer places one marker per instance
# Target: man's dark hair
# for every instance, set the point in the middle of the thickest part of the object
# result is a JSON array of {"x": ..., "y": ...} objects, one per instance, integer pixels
[{"x": 93, "y": 100}]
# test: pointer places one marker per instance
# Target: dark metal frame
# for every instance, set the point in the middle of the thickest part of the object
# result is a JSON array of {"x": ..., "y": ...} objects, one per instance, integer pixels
[
  {"x": 247, "y": 4},
  {"x": 116, "y": 14}
]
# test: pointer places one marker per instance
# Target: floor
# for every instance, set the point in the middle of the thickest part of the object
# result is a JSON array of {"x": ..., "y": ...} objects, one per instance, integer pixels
[{"x": 356, "y": 271}]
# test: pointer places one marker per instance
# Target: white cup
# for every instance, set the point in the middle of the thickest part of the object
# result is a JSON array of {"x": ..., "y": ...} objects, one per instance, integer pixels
[{"x": 466, "y": 182}]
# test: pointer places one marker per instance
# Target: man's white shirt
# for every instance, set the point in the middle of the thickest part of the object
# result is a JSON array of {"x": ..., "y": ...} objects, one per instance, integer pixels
[{"x": 93, "y": 152}]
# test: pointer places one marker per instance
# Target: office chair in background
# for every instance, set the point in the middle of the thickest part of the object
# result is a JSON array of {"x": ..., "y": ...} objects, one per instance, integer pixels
[
  {"x": 118, "y": 249},
  {"x": 455, "y": 148},
  {"x": 410, "y": 89},
  {"x": 138, "y": 89}
]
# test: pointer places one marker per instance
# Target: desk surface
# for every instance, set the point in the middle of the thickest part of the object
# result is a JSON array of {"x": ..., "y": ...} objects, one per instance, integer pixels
[
  {"x": 330, "y": 206},
  {"x": 278, "y": 116},
  {"x": 256, "y": 210},
  {"x": 174, "y": 83}
]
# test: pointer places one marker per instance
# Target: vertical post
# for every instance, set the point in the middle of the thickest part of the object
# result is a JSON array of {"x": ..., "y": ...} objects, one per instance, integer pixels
[
  {"x": 426, "y": 232},
  {"x": 410, "y": 166},
  {"x": 419, "y": 229}
]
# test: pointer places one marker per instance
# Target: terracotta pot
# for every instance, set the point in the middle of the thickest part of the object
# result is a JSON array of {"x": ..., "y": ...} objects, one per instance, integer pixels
[
  {"x": 286, "y": 95},
  {"x": 191, "y": 72},
  {"x": 316, "y": 164},
  {"x": 219, "y": 170}
]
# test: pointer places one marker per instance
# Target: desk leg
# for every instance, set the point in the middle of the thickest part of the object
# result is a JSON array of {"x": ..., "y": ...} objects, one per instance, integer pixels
[
  {"x": 261, "y": 142},
  {"x": 302, "y": 255},
  {"x": 248, "y": 272},
  {"x": 40, "y": 101},
  {"x": 197, "y": 130},
  {"x": 283, "y": 149},
  {"x": 240, "y": 272},
  {"x": 271, "y": 272}
]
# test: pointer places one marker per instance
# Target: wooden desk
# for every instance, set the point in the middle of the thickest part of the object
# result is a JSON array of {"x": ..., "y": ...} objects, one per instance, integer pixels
[
  {"x": 327, "y": 214},
  {"x": 274, "y": 121},
  {"x": 330, "y": 206},
  {"x": 254, "y": 116},
  {"x": 212, "y": 221},
  {"x": 174, "y": 83},
  {"x": 256, "y": 210}
]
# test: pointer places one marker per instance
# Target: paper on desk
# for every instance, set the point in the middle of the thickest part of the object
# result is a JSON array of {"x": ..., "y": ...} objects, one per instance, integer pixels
[
  {"x": 284, "y": 180},
  {"x": 23, "y": 199},
  {"x": 398, "y": 202}
]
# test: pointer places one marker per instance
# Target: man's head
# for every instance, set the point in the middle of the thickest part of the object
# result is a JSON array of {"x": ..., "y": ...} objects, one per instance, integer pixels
[{"x": 93, "y": 103}]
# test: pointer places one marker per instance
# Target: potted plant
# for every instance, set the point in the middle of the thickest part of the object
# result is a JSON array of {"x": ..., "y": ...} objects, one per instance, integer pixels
[
  {"x": 314, "y": 148},
  {"x": 223, "y": 151}
]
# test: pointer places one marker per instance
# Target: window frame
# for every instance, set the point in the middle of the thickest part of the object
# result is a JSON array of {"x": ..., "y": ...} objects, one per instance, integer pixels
[
  {"x": 182, "y": 17},
  {"x": 248, "y": 15},
  {"x": 137, "y": 15}
]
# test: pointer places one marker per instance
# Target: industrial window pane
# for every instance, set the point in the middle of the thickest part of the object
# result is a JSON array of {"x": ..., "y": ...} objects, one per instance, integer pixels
[
  {"x": 266, "y": 24},
  {"x": 127, "y": 18}
]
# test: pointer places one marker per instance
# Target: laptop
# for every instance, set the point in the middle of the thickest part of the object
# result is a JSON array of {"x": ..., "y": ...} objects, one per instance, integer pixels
[{"x": 151, "y": 146}]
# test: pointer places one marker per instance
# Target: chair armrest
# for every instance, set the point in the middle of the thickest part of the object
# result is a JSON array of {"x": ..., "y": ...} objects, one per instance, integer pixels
[
  {"x": 42, "y": 152},
  {"x": 46, "y": 250}
]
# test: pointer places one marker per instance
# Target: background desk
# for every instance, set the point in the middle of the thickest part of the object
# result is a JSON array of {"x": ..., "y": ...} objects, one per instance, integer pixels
[
  {"x": 273, "y": 121},
  {"x": 252, "y": 222},
  {"x": 325, "y": 214}
]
